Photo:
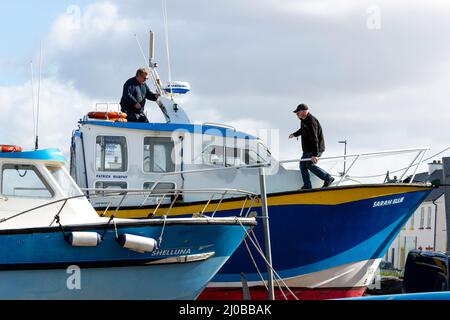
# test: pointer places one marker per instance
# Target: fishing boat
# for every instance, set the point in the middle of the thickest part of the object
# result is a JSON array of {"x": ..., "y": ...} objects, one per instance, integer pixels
[
  {"x": 326, "y": 242},
  {"x": 54, "y": 245}
]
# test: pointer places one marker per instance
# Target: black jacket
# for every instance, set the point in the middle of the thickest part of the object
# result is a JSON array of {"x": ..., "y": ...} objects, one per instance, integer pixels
[
  {"x": 134, "y": 92},
  {"x": 312, "y": 136}
]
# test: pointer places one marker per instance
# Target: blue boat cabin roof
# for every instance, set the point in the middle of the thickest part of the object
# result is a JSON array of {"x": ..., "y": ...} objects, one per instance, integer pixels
[
  {"x": 170, "y": 127},
  {"x": 45, "y": 155}
]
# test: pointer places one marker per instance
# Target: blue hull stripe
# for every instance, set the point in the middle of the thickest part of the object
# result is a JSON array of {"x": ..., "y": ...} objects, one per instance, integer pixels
[{"x": 312, "y": 238}]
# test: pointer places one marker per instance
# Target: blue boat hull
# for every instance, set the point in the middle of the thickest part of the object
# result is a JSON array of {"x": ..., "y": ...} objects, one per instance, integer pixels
[
  {"x": 326, "y": 243},
  {"x": 311, "y": 239},
  {"x": 40, "y": 264}
]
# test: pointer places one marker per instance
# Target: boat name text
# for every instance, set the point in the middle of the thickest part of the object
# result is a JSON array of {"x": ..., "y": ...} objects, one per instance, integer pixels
[
  {"x": 171, "y": 252},
  {"x": 109, "y": 176},
  {"x": 388, "y": 202}
]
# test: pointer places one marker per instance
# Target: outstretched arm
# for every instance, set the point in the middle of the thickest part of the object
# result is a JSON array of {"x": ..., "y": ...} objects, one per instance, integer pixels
[
  {"x": 296, "y": 134},
  {"x": 150, "y": 95}
]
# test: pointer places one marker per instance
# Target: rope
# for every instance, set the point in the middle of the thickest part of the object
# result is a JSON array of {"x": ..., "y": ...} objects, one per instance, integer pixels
[
  {"x": 255, "y": 264},
  {"x": 107, "y": 226},
  {"x": 142, "y": 51},
  {"x": 265, "y": 260},
  {"x": 162, "y": 231},
  {"x": 260, "y": 249}
]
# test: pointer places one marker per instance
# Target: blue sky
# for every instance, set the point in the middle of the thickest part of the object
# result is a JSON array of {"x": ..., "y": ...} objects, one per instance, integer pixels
[
  {"x": 369, "y": 83},
  {"x": 24, "y": 23}
]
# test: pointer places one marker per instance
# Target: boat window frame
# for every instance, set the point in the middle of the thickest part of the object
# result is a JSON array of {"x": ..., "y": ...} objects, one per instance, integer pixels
[
  {"x": 159, "y": 182},
  {"x": 169, "y": 156},
  {"x": 101, "y": 193},
  {"x": 126, "y": 153},
  {"x": 39, "y": 175}
]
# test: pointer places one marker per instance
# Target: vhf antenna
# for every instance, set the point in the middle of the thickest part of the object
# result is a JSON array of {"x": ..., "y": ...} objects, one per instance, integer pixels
[
  {"x": 36, "y": 142},
  {"x": 154, "y": 65}
]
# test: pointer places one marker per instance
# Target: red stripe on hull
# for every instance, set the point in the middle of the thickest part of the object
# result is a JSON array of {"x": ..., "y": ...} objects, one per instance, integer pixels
[{"x": 260, "y": 293}]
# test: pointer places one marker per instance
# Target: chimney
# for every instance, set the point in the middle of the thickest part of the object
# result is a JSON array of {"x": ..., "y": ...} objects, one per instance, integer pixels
[
  {"x": 433, "y": 166},
  {"x": 446, "y": 182}
]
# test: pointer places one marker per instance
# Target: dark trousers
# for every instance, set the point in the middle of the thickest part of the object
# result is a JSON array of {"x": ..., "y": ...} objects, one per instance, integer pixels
[
  {"x": 306, "y": 166},
  {"x": 136, "y": 117}
]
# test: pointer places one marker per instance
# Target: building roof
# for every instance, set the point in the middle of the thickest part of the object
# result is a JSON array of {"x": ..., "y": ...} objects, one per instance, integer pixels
[{"x": 425, "y": 177}]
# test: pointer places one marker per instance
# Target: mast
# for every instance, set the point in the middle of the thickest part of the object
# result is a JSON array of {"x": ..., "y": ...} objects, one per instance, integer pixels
[{"x": 152, "y": 65}]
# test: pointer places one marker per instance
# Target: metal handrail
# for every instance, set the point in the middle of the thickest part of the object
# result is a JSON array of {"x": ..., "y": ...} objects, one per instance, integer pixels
[
  {"x": 360, "y": 154},
  {"x": 221, "y": 125},
  {"x": 107, "y": 105},
  {"x": 420, "y": 153},
  {"x": 64, "y": 200},
  {"x": 167, "y": 193}
]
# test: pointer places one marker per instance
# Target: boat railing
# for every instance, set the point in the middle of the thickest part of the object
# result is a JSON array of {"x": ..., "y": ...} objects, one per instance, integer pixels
[
  {"x": 116, "y": 197},
  {"x": 353, "y": 158},
  {"x": 110, "y": 106},
  {"x": 226, "y": 126},
  {"x": 63, "y": 202}
]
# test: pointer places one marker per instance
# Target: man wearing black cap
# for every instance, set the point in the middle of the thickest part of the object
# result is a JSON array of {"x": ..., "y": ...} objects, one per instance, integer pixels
[{"x": 313, "y": 146}]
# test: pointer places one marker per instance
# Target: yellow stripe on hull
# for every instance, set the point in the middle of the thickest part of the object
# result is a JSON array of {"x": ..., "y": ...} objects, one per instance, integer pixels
[{"x": 331, "y": 196}]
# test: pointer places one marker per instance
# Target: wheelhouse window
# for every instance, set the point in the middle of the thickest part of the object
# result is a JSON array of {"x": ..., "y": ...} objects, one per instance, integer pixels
[
  {"x": 111, "y": 154},
  {"x": 236, "y": 154},
  {"x": 160, "y": 185},
  {"x": 113, "y": 185},
  {"x": 24, "y": 181},
  {"x": 158, "y": 154},
  {"x": 213, "y": 154},
  {"x": 256, "y": 153},
  {"x": 64, "y": 181}
]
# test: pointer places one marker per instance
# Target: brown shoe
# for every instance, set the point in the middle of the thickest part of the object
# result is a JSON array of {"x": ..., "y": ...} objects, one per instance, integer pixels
[{"x": 327, "y": 183}]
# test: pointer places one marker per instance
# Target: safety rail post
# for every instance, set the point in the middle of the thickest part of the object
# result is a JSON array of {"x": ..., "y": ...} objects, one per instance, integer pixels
[
  {"x": 423, "y": 152},
  {"x": 219, "y": 203},
  {"x": 348, "y": 170},
  {"x": 410, "y": 165},
  {"x": 207, "y": 204},
  {"x": 120, "y": 203},
  {"x": 157, "y": 207},
  {"x": 173, "y": 203},
  {"x": 265, "y": 218},
  {"x": 251, "y": 206},
  {"x": 243, "y": 206}
]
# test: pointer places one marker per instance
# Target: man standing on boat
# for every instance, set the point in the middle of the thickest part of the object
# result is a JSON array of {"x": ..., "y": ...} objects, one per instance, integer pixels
[
  {"x": 313, "y": 146},
  {"x": 135, "y": 93}
]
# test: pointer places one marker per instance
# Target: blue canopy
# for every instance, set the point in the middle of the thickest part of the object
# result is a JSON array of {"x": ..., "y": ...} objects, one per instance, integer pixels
[{"x": 46, "y": 154}]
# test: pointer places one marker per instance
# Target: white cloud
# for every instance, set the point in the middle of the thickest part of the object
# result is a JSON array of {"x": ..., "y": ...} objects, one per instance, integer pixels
[
  {"x": 249, "y": 68},
  {"x": 61, "y": 105}
]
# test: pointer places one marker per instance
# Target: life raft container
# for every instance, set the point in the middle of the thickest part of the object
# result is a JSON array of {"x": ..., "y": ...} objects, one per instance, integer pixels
[
  {"x": 111, "y": 115},
  {"x": 6, "y": 148}
]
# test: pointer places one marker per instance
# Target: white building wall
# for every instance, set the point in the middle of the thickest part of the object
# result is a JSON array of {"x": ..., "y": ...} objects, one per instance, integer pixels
[
  {"x": 422, "y": 231},
  {"x": 441, "y": 228}
]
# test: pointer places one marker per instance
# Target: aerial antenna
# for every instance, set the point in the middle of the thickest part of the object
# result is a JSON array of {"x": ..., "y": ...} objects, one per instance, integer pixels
[
  {"x": 142, "y": 51},
  {"x": 164, "y": 5},
  {"x": 32, "y": 99},
  {"x": 150, "y": 64},
  {"x": 36, "y": 143}
]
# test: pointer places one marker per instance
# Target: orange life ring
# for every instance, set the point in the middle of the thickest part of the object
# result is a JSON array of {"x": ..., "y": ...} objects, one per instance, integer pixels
[
  {"x": 6, "y": 148},
  {"x": 111, "y": 115}
]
